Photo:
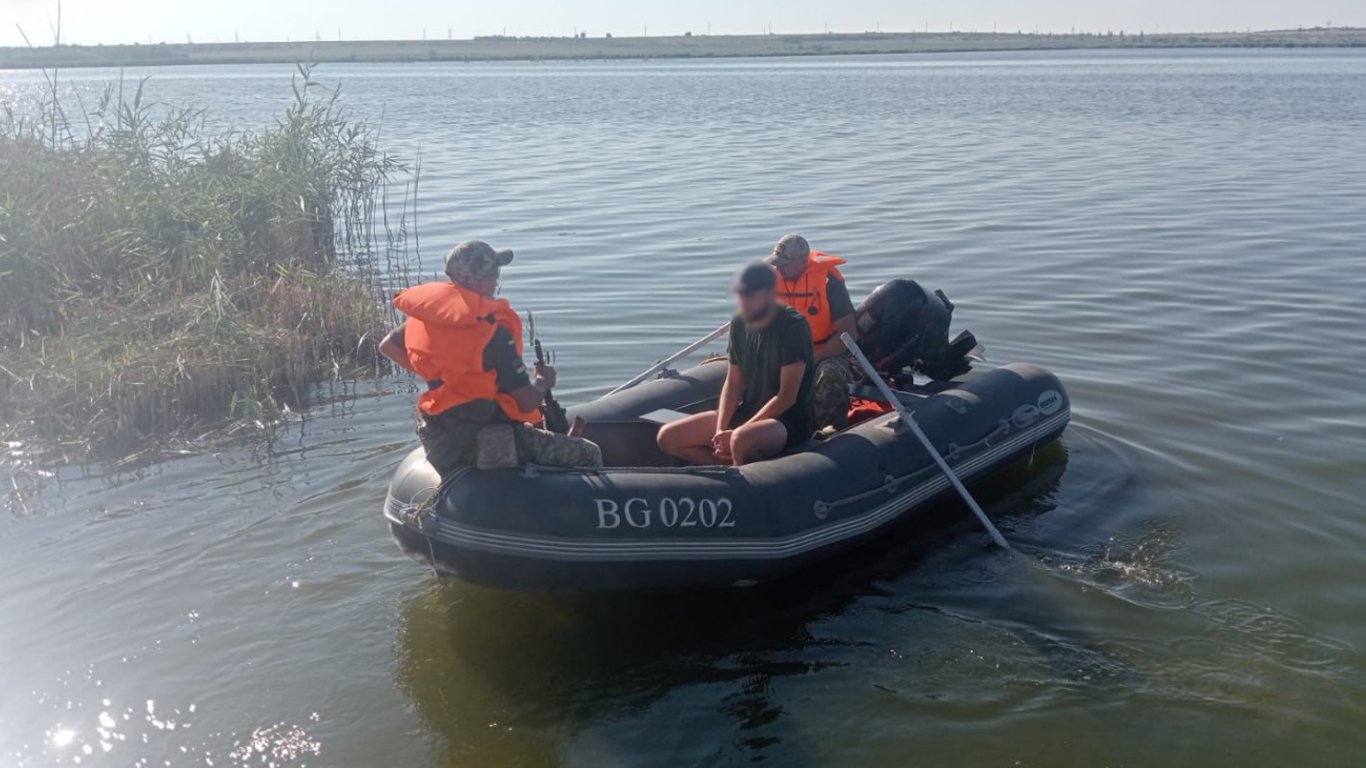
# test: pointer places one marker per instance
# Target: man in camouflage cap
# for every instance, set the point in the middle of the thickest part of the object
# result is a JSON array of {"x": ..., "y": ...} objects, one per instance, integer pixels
[
  {"x": 466, "y": 345},
  {"x": 475, "y": 262},
  {"x": 810, "y": 282}
]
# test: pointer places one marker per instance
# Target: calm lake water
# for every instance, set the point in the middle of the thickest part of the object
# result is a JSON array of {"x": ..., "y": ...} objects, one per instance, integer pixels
[{"x": 1181, "y": 236}]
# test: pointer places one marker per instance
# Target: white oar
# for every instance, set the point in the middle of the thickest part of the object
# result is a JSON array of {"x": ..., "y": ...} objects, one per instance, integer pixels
[
  {"x": 684, "y": 352},
  {"x": 908, "y": 419}
]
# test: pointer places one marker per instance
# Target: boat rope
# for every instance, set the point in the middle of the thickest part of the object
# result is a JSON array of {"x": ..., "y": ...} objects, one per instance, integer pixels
[
  {"x": 431, "y": 554},
  {"x": 422, "y": 517}
]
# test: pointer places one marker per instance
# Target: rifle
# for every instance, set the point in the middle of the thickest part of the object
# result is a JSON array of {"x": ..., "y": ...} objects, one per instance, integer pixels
[{"x": 555, "y": 418}]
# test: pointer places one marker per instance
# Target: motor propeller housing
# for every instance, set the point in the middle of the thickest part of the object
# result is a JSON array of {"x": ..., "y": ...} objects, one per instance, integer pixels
[{"x": 904, "y": 329}]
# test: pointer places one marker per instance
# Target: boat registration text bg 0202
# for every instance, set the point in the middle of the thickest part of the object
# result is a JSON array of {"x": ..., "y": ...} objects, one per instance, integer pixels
[{"x": 668, "y": 512}]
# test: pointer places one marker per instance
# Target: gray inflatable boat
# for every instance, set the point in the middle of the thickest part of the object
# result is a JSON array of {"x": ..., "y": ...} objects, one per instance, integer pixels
[{"x": 644, "y": 523}]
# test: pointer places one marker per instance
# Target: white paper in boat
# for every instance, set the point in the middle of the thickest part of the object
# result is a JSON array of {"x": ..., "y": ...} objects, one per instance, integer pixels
[{"x": 663, "y": 416}]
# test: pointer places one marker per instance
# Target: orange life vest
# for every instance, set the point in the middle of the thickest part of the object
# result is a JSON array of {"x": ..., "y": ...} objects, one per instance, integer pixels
[
  {"x": 807, "y": 293},
  {"x": 447, "y": 330}
]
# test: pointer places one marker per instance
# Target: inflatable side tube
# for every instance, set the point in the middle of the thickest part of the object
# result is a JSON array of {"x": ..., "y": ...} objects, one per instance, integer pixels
[{"x": 659, "y": 528}]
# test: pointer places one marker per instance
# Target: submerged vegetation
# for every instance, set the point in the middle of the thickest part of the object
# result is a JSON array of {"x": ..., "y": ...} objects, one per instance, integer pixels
[{"x": 157, "y": 275}]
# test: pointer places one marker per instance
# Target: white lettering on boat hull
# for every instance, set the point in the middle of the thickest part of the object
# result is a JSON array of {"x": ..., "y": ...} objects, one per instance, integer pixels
[{"x": 670, "y": 512}]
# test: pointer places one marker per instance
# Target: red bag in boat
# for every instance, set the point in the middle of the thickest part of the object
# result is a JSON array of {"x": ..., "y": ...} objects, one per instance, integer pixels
[{"x": 862, "y": 410}]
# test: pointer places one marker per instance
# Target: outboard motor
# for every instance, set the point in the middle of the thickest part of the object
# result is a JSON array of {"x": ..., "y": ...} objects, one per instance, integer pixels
[{"x": 905, "y": 330}]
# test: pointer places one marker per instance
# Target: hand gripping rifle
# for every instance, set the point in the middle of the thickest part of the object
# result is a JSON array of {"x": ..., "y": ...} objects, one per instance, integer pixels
[{"x": 555, "y": 418}]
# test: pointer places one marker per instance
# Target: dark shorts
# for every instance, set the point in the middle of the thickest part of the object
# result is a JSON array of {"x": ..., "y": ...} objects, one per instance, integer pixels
[{"x": 799, "y": 429}]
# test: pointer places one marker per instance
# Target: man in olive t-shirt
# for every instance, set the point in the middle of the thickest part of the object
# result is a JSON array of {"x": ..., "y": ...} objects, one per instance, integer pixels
[{"x": 765, "y": 406}]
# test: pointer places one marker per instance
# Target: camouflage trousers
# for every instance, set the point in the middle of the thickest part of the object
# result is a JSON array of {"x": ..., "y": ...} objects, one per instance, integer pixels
[
  {"x": 452, "y": 443},
  {"x": 830, "y": 392},
  {"x": 551, "y": 449}
]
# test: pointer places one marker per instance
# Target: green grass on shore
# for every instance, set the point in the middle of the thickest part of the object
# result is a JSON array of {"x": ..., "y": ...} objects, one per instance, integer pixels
[{"x": 156, "y": 276}]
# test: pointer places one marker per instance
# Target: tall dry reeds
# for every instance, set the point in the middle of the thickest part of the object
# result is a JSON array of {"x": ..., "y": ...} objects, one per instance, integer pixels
[{"x": 156, "y": 275}]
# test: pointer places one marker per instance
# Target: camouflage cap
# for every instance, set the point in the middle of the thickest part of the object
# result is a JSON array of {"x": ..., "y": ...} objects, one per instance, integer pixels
[
  {"x": 789, "y": 249},
  {"x": 476, "y": 260}
]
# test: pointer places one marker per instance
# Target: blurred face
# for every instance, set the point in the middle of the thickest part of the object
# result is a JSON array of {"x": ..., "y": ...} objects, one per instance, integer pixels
[
  {"x": 789, "y": 268},
  {"x": 489, "y": 285},
  {"x": 756, "y": 307},
  {"x": 789, "y": 257}
]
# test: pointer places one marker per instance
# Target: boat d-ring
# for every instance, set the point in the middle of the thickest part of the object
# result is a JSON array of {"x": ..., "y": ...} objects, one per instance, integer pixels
[
  {"x": 889, "y": 484},
  {"x": 1003, "y": 427},
  {"x": 822, "y": 510}
]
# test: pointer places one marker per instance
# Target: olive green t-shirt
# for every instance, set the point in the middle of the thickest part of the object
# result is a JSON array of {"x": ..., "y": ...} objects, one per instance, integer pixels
[{"x": 761, "y": 354}]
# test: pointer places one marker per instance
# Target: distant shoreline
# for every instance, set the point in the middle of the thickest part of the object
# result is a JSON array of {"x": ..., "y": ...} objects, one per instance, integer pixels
[{"x": 679, "y": 47}]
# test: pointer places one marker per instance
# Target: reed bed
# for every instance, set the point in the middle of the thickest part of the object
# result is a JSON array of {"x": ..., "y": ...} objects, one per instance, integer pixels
[{"x": 157, "y": 277}]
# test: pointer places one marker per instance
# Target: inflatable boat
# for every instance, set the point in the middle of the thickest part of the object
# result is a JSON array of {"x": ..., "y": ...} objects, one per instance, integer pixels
[{"x": 644, "y": 523}]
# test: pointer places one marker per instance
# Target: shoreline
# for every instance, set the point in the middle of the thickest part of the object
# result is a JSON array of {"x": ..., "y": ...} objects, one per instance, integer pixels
[{"x": 627, "y": 48}]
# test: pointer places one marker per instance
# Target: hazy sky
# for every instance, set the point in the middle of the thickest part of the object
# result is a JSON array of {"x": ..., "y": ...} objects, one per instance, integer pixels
[{"x": 111, "y": 21}]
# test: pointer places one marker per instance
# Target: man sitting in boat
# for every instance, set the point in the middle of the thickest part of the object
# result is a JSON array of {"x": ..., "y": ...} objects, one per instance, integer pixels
[
  {"x": 810, "y": 282},
  {"x": 765, "y": 406},
  {"x": 480, "y": 403}
]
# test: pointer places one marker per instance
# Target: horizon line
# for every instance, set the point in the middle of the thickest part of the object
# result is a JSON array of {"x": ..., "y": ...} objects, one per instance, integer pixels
[{"x": 690, "y": 35}]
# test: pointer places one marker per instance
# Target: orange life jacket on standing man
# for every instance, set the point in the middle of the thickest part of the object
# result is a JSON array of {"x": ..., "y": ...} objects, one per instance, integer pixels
[
  {"x": 447, "y": 330},
  {"x": 807, "y": 294}
]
